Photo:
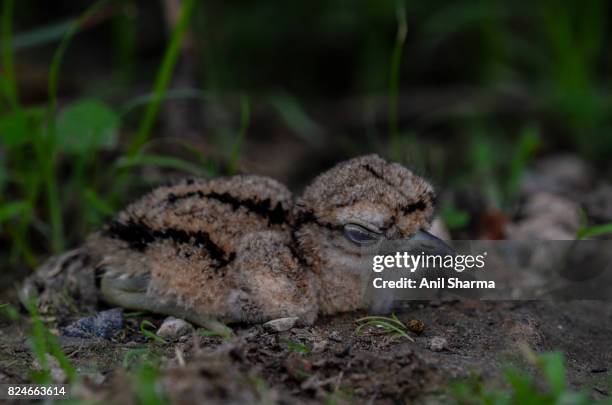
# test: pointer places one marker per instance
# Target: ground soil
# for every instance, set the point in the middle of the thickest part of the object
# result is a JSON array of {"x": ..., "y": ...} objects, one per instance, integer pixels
[{"x": 330, "y": 362}]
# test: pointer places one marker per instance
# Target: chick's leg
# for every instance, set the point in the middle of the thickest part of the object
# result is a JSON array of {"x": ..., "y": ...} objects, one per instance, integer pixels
[{"x": 130, "y": 292}]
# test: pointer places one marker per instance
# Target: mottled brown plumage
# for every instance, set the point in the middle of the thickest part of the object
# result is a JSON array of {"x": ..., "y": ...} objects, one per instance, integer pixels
[{"x": 240, "y": 249}]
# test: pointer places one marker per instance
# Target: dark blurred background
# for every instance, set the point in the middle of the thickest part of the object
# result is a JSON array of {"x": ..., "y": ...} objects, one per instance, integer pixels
[{"x": 102, "y": 101}]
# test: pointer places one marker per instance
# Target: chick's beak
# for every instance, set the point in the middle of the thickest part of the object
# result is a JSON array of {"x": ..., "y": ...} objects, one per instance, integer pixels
[{"x": 423, "y": 241}]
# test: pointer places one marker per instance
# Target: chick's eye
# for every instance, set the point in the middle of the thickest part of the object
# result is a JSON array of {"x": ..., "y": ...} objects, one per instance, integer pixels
[{"x": 360, "y": 235}]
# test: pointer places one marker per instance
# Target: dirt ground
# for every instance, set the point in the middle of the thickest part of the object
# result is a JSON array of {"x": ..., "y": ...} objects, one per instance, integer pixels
[{"x": 329, "y": 362}]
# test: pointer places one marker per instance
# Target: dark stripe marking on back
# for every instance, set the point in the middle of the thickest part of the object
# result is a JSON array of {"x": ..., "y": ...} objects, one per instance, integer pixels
[
  {"x": 139, "y": 236},
  {"x": 275, "y": 216}
]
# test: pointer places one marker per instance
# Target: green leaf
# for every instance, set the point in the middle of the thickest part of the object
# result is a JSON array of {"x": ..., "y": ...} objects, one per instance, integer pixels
[
  {"x": 523, "y": 389},
  {"x": 147, "y": 385},
  {"x": 97, "y": 202},
  {"x": 553, "y": 368},
  {"x": 3, "y": 173},
  {"x": 20, "y": 128},
  {"x": 12, "y": 209},
  {"x": 10, "y": 311},
  {"x": 151, "y": 335},
  {"x": 453, "y": 217},
  {"x": 297, "y": 347},
  {"x": 86, "y": 126}
]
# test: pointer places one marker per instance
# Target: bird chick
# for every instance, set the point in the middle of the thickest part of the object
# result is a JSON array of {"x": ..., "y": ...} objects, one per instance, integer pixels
[{"x": 241, "y": 249}]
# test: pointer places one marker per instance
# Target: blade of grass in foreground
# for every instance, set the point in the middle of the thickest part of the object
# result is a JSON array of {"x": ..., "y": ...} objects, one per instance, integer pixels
[
  {"x": 163, "y": 77},
  {"x": 45, "y": 148},
  {"x": 43, "y": 343},
  {"x": 10, "y": 82},
  {"x": 147, "y": 386},
  {"x": 594, "y": 231}
]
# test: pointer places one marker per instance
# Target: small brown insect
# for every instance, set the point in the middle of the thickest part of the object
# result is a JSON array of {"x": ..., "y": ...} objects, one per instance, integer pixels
[{"x": 416, "y": 326}]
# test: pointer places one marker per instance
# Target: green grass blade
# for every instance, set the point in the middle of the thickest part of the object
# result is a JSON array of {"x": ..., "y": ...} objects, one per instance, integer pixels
[
  {"x": 297, "y": 347},
  {"x": 8, "y": 65},
  {"x": 151, "y": 335},
  {"x": 43, "y": 35},
  {"x": 12, "y": 209},
  {"x": 208, "y": 333},
  {"x": 163, "y": 77},
  {"x": 133, "y": 354},
  {"x": 553, "y": 368},
  {"x": 170, "y": 94},
  {"x": 98, "y": 203},
  {"x": 394, "y": 70},
  {"x": 146, "y": 385},
  {"x": 168, "y": 162},
  {"x": 221, "y": 331},
  {"x": 43, "y": 343},
  {"x": 9, "y": 311},
  {"x": 393, "y": 319},
  {"x": 21, "y": 247},
  {"x": 386, "y": 326},
  {"x": 295, "y": 117},
  {"x": 527, "y": 146},
  {"x": 245, "y": 117},
  {"x": 594, "y": 231}
]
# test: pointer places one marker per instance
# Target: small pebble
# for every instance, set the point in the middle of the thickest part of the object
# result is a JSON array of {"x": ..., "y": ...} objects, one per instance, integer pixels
[
  {"x": 437, "y": 344},
  {"x": 335, "y": 336},
  {"x": 173, "y": 328},
  {"x": 281, "y": 324},
  {"x": 104, "y": 324}
]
